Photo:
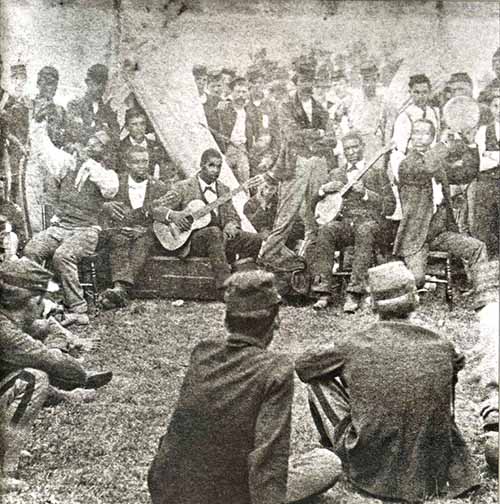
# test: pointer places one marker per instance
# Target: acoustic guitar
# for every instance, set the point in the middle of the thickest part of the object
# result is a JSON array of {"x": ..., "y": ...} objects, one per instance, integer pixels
[
  {"x": 198, "y": 212},
  {"x": 328, "y": 208}
]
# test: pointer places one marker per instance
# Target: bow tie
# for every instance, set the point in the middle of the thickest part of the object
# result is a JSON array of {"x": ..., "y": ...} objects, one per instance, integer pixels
[{"x": 209, "y": 188}]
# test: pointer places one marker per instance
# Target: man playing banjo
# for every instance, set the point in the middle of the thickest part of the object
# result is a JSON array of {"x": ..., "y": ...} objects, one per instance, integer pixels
[
  {"x": 223, "y": 238},
  {"x": 363, "y": 224}
]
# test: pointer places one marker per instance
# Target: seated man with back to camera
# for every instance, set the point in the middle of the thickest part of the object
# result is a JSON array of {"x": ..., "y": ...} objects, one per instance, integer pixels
[
  {"x": 79, "y": 191},
  {"x": 424, "y": 188},
  {"x": 223, "y": 238},
  {"x": 382, "y": 399},
  {"x": 130, "y": 220},
  {"x": 363, "y": 223}
]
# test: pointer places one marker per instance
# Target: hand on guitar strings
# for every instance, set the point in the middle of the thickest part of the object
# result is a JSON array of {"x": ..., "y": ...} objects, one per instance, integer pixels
[
  {"x": 332, "y": 187},
  {"x": 231, "y": 230},
  {"x": 115, "y": 210},
  {"x": 358, "y": 187},
  {"x": 181, "y": 220}
]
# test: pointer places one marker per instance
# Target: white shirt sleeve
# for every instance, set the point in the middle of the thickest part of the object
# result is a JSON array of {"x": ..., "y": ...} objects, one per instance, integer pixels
[
  {"x": 487, "y": 159},
  {"x": 106, "y": 180}
]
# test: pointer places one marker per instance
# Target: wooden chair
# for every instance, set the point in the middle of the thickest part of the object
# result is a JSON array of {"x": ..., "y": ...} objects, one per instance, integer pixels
[{"x": 439, "y": 273}]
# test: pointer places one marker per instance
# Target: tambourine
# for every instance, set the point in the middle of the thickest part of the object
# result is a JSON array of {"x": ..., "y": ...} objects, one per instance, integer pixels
[{"x": 461, "y": 113}]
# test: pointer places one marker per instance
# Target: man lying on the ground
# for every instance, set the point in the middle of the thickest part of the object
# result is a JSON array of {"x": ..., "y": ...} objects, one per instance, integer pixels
[
  {"x": 223, "y": 238},
  {"x": 382, "y": 399},
  {"x": 229, "y": 436},
  {"x": 30, "y": 372},
  {"x": 132, "y": 236},
  {"x": 81, "y": 188}
]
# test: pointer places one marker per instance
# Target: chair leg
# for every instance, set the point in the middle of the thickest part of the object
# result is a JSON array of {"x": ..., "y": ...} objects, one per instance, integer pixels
[
  {"x": 449, "y": 290},
  {"x": 93, "y": 277}
]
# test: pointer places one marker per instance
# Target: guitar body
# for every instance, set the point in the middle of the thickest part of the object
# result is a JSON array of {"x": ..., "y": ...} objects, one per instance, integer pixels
[
  {"x": 328, "y": 208},
  {"x": 171, "y": 237}
]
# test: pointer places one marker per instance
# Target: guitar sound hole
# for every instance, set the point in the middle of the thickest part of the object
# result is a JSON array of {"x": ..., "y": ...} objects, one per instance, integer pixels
[{"x": 190, "y": 219}]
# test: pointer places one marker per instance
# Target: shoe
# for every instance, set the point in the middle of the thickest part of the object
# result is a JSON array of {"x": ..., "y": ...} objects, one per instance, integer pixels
[
  {"x": 351, "y": 304},
  {"x": 8, "y": 485},
  {"x": 97, "y": 379},
  {"x": 75, "y": 318},
  {"x": 116, "y": 297},
  {"x": 491, "y": 451},
  {"x": 322, "y": 303},
  {"x": 79, "y": 395}
]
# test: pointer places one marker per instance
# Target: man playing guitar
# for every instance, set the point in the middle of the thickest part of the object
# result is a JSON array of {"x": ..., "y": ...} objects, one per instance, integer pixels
[
  {"x": 223, "y": 238},
  {"x": 362, "y": 223}
]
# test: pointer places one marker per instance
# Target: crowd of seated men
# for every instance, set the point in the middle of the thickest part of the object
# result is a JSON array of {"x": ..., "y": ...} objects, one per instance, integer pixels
[{"x": 294, "y": 136}]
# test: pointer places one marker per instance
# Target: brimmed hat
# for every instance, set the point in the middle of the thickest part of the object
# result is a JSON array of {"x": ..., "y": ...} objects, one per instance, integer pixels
[
  {"x": 17, "y": 71},
  {"x": 460, "y": 77},
  {"x": 392, "y": 288},
  {"x": 485, "y": 281},
  {"x": 250, "y": 293},
  {"x": 26, "y": 274},
  {"x": 199, "y": 70},
  {"x": 368, "y": 67},
  {"x": 98, "y": 73}
]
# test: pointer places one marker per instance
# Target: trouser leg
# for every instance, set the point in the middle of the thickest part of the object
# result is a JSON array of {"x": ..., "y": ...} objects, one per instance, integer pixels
[
  {"x": 331, "y": 237},
  {"x": 237, "y": 159},
  {"x": 417, "y": 264},
  {"x": 22, "y": 395},
  {"x": 42, "y": 246},
  {"x": 210, "y": 242},
  {"x": 291, "y": 196},
  {"x": 365, "y": 235},
  {"x": 329, "y": 404},
  {"x": 487, "y": 214},
  {"x": 318, "y": 174},
  {"x": 81, "y": 243},
  {"x": 127, "y": 257},
  {"x": 462, "y": 246}
]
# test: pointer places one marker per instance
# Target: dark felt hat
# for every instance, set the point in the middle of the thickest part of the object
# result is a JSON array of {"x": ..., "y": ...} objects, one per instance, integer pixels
[
  {"x": 485, "y": 281},
  {"x": 496, "y": 54},
  {"x": 250, "y": 293},
  {"x": 254, "y": 73},
  {"x": 460, "y": 77},
  {"x": 392, "y": 288},
  {"x": 98, "y": 73},
  {"x": 26, "y": 274},
  {"x": 17, "y": 71}
]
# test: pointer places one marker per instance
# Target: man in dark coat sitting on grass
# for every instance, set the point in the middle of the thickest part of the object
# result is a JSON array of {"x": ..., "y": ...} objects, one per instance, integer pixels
[{"x": 382, "y": 399}]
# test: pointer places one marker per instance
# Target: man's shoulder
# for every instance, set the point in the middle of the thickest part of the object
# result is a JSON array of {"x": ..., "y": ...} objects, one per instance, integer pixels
[{"x": 77, "y": 103}]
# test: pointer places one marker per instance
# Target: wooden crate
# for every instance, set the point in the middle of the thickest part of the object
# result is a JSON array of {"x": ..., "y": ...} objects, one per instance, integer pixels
[{"x": 171, "y": 277}]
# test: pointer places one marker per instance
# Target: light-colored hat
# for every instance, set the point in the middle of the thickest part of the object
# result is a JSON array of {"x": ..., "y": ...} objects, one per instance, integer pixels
[
  {"x": 392, "y": 288},
  {"x": 27, "y": 274}
]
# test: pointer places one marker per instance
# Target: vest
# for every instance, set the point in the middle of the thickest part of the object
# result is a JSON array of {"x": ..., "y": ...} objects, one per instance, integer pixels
[
  {"x": 79, "y": 208},
  {"x": 492, "y": 144}
]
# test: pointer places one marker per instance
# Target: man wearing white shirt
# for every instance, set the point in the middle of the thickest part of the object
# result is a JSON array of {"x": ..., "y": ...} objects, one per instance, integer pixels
[
  {"x": 419, "y": 108},
  {"x": 428, "y": 222},
  {"x": 486, "y": 207},
  {"x": 363, "y": 224},
  {"x": 131, "y": 221}
]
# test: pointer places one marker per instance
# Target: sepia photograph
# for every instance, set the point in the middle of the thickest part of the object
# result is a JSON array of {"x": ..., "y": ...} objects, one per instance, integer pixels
[{"x": 249, "y": 251}]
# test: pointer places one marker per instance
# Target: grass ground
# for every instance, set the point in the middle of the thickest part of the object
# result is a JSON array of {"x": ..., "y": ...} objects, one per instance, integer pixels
[{"x": 100, "y": 452}]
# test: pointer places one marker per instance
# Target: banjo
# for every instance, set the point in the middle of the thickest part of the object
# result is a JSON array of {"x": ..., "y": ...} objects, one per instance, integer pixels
[{"x": 330, "y": 206}]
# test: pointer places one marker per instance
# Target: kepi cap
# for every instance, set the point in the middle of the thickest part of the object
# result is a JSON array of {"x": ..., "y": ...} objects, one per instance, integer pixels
[
  {"x": 27, "y": 274},
  {"x": 98, "y": 73}
]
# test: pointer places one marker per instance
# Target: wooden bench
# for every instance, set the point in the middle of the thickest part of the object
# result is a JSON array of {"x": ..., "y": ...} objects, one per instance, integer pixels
[{"x": 171, "y": 277}]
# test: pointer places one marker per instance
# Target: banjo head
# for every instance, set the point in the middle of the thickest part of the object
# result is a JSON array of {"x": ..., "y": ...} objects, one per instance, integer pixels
[{"x": 461, "y": 112}]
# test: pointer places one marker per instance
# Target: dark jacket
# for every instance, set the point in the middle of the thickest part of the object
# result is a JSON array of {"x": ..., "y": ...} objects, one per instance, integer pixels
[
  {"x": 399, "y": 440},
  {"x": 212, "y": 116},
  {"x": 228, "y": 438},
  {"x": 188, "y": 190},
  {"x": 19, "y": 350},
  {"x": 299, "y": 136},
  {"x": 380, "y": 202},
  {"x": 419, "y": 224},
  {"x": 140, "y": 216},
  {"x": 157, "y": 156},
  {"x": 227, "y": 120}
]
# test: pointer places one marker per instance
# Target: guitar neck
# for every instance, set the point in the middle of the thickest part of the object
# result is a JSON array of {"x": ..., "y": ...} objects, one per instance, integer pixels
[
  {"x": 209, "y": 207},
  {"x": 362, "y": 172}
]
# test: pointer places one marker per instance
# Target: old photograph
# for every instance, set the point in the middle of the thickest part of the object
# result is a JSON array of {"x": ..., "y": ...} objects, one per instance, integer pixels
[{"x": 249, "y": 251}]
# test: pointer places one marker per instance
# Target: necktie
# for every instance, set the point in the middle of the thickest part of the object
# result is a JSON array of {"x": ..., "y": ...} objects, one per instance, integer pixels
[{"x": 209, "y": 188}]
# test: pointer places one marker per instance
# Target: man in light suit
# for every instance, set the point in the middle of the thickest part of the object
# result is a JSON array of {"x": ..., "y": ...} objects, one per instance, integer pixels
[{"x": 223, "y": 238}]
